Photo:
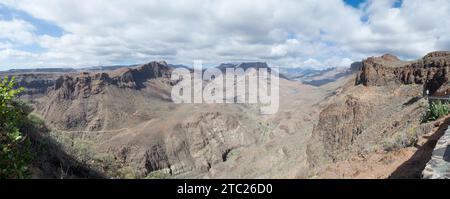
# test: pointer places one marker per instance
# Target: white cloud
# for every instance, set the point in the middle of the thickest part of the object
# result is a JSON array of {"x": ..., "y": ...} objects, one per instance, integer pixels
[
  {"x": 409, "y": 31},
  {"x": 17, "y": 58},
  {"x": 280, "y": 50},
  {"x": 5, "y": 45},
  {"x": 17, "y": 31},
  {"x": 8, "y": 53},
  {"x": 285, "y": 33}
]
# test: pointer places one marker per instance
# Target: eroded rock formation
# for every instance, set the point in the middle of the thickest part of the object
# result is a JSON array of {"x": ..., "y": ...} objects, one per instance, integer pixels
[
  {"x": 432, "y": 71},
  {"x": 385, "y": 102}
]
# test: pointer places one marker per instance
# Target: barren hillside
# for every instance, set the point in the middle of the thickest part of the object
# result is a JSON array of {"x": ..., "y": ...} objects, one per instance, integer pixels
[
  {"x": 374, "y": 125},
  {"x": 122, "y": 123}
]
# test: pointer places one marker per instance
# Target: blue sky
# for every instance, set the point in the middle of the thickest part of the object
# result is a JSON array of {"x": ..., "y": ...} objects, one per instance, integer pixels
[
  {"x": 357, "y": 3},
  {"x": 354, "y": 3},
  {"x": 42, "y": 26},
  {"x": 50, "y": 33}
]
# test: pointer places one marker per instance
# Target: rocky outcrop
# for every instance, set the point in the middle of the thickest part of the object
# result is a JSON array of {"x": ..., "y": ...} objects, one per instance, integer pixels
[
  {"x": 432, "y": 71},
  {"x": 356, "y": 66},
  {"x": 339, "y": 125},
  {"x": 361, "y": 121},
  {"x": 437, "y": 54},
  {"x": 145, "y": 72},
  {"x": 384, "y": 103},
  {"x": 86, "y": 84},
  {"x": 389, "y": 57},
  {"x": 69, "y": 87},
  {"x": 73, "y": 84},
  {"x": 83, "y": 101}
]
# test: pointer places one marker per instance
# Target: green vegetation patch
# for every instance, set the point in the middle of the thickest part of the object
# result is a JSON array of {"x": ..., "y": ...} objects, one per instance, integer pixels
[
  {"x": 435, "y": 111},
  {"x": 15, "y": 153}
]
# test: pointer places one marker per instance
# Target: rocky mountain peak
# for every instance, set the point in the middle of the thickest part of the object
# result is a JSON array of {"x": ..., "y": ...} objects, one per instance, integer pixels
[
  {"x": 152, "y": 70},
  {"x": 432, "y": 71},
  {"x": 390, "y": 57},
  {"x": 85, "y": 84},
  {"x": 437, "y": 54}
]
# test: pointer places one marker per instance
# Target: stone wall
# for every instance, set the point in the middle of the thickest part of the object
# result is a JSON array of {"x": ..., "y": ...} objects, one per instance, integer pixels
[{"x": 439, "y": 165}]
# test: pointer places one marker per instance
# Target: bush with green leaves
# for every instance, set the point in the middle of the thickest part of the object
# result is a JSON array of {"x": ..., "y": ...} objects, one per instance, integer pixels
[
  {"x": 435, "y": 111},
  {"x": 15, "y": 154}
]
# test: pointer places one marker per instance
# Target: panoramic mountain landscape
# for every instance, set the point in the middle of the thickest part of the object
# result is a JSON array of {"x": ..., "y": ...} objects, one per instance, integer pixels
[
  {"x": 356, "y": 94},
  {"x": 121, "y": 123}
]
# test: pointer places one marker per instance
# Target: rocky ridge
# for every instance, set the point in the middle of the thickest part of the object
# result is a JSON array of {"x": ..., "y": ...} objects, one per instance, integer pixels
[
  {"x": 432, "y": 71},
  {"x": 381, "y": 110}
]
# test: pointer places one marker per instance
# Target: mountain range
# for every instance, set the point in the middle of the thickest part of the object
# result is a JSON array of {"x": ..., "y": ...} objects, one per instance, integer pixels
[{"x": 357, "y": 122}]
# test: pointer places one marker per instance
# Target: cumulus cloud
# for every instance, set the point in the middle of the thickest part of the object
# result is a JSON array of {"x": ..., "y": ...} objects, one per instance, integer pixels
[
  {"x": 17, "y": 31},
  {"x": 5, "y": 45},
  {"x": 285, "y": 33}
]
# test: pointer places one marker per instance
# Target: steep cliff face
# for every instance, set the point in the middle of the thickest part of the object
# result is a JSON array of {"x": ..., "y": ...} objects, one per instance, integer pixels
[
  {"x": 356, "y": 66},
  {"x": 340, "y": 125},
  {"x": 84, "y": 101},
  {"x": 86, "y": 84},
  {"x": 384, "y": 103},
  {"x": 194, "y": 143},
  {"x": 432, "y": 71},
  {"x": 362, "y": 120}
]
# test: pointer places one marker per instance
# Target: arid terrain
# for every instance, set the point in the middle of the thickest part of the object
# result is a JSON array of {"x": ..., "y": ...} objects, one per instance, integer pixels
[{"x": 363, "y": 121}]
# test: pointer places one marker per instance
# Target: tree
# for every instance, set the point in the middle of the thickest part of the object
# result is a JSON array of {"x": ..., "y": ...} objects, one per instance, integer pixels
[{"x": 15, "y": 155}]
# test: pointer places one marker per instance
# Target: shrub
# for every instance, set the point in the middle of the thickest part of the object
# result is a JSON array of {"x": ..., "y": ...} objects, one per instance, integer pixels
[
  {"x": 15, "y": 154},
  {"x": 400, "y": 140},
  {"x": 436, "y": 111},
  {"x": 158, "y": 174}
]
